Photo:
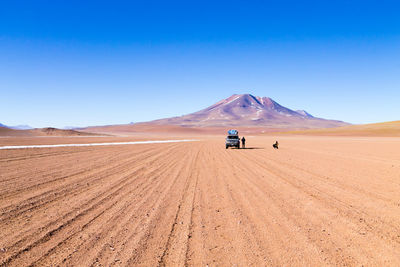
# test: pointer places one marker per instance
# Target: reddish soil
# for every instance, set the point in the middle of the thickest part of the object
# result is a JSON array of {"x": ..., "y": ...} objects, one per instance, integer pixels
[
  {"x": 391, "y": 128},
  {"x": 315, "y": 201},
  {"x": 155, "y": 130}
]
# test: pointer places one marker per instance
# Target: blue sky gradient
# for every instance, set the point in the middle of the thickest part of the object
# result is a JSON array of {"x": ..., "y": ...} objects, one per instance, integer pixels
[{"x": 68, "y": 63}]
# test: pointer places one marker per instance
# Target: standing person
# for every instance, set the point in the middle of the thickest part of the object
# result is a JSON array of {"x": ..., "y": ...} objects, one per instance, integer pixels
[{"x": 243, "y": 142}]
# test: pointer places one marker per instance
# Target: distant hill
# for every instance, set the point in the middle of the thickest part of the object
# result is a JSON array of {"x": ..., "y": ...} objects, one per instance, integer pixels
[
  {"x": 4, "y": 131},
  {"x": 17, "y": 127},
  {"x": 20, "y": 127},
  {"x": 249, "y": 110},
  {"x": 59, "y": 132}
]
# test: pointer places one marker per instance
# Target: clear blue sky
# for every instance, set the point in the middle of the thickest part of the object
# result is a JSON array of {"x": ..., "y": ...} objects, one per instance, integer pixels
[{"x": 77, "y": 63}]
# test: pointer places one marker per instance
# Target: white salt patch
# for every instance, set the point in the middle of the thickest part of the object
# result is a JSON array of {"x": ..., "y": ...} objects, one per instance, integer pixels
[{"x": 100, "y": 144}]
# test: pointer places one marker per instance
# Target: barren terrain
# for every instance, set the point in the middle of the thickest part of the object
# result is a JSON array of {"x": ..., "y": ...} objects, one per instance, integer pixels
[
  {"x": 390, "y": 128},
  {"x": 315, "y": 201}
]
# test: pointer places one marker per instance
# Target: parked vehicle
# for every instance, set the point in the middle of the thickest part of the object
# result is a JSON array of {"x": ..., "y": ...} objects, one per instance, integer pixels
[{"x": 232, "y": 140}]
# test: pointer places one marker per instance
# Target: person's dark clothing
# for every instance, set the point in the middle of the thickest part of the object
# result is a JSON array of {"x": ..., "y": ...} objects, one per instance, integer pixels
[
  {"x": 243, "y": 142},
  {"x": 276, "y": 145}
]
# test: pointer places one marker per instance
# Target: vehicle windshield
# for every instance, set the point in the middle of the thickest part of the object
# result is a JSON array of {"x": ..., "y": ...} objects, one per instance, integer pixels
[{"x": 233, "y": 137}]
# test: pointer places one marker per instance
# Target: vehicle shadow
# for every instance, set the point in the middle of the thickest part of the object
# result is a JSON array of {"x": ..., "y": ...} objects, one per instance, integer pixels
[{"x": 252, "y": 148}]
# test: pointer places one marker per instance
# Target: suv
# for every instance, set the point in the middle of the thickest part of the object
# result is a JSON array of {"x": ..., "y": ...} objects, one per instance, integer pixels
[{"x": 232, "y": 140}]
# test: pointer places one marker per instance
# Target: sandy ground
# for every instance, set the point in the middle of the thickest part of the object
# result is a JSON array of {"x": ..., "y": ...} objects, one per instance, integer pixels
[
  {"x": 315, "y": 201},
  {"x": 387, "y": 129}
]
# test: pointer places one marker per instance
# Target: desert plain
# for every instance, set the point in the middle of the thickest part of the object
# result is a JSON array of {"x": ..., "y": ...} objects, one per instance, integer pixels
[{"x": 316, "y": 201}]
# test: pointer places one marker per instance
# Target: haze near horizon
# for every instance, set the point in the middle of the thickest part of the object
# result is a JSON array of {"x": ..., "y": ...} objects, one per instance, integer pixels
[{"x": 98, "y": 63}]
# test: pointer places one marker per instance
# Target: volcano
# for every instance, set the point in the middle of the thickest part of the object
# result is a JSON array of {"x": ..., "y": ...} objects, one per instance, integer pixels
[{"x": 249, "y": 110}]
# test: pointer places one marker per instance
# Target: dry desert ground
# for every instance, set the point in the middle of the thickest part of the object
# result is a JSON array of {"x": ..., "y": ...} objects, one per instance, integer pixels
[{"x": 316, "y": 201}]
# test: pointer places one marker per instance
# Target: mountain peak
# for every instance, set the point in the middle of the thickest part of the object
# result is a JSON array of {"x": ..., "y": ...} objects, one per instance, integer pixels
[{"x": 249, "y": 110}]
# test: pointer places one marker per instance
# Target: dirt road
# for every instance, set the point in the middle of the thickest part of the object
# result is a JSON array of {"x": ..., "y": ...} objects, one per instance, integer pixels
[{"x": 315, "y": 201}]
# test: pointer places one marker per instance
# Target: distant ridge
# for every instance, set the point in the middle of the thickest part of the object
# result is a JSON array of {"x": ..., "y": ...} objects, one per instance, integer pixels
[
  {"x": 21, "y": 127},
  {"x": 17, "y": 127},
  {"x": 5, "y": 131},
  {"x": 304, "y": 113}
]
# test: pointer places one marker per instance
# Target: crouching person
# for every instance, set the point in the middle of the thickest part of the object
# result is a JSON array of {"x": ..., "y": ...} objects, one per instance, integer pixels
[{"x": 276, "y": 145}]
